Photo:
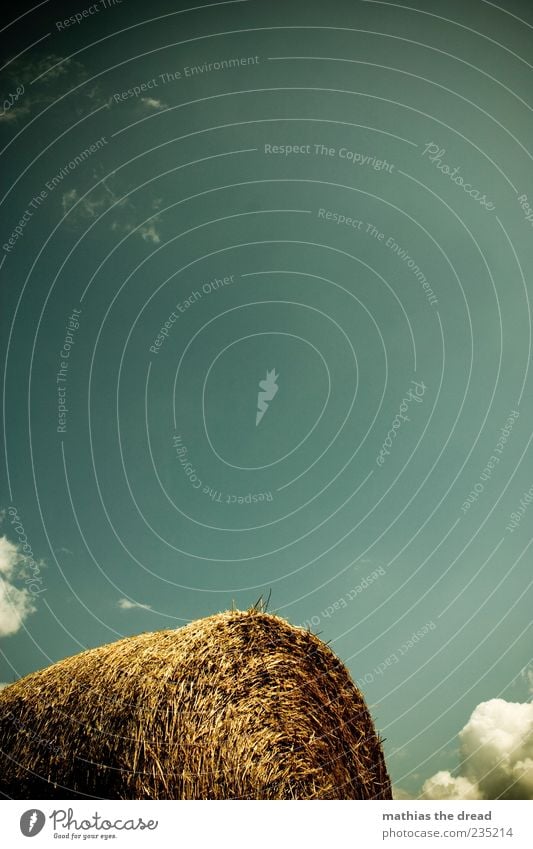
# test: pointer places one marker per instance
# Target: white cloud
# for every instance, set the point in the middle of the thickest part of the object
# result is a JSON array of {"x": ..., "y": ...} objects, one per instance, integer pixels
[
  {"x": 12, "y": 115},
  {"x": 443, "y": 785},
  {"x": 107, "y": 194},
  {"x": 527, "y": 676},
  {"x": 149, "y": 233},
  {"x": 127, "y": 604},
  {"x": 10, "y": 557},
  {"x": 69, "y": 199},
  {"x": 400, "y": 793},
  {"x": 153, "y": 103},
  {"x": 50, "y": 66},
  {"x": 102, "y": 197},
  {"x": 15, "y": 604},
  {"x": 45, "y": 72},
  {"x": 496, "y": 755}
]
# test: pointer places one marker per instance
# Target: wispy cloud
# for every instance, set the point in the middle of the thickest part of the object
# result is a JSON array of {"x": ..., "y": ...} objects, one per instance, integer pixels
[
  {"x": 127, "y": 604},
  {"x": 125, "y": 217},
  {"x": 47, "y": 71},
  {"x": 527, "y": 676},
  {"x": 92, "y": 206},
  {"x": 153, "y": 103},
  {"x": 149, "y": 233},
  {"x": 46, "y": 78}
]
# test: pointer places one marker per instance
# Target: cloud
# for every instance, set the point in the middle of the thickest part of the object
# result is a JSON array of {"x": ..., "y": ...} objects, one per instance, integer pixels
[
  {"x": 107, "y": 194},
  {"x": 44, "y": 72},
  {"x": 443, "y": 785},
  {"x": 496, "y": 748},
  {"x": 149, "y": 233},
  {"x": 13, "y": 114},
  {"x": 102, "y": 197},
  {"x": 153, "y": 103},
  {"x": 90, "y": 207},
  {"x": 399, "y": 793},
  {"x": 527, "y": 676},
  {"x": 127, "y": 604},
  {"x": 15, "y": 604},
  {"x": 48, "y": 68}
]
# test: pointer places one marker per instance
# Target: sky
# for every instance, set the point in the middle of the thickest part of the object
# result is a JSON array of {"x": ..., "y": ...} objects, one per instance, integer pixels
[{"x": 266, "y": 331}]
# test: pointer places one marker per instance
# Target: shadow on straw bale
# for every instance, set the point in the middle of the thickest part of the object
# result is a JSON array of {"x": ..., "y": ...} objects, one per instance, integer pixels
[{"x": 240, "y": 705}]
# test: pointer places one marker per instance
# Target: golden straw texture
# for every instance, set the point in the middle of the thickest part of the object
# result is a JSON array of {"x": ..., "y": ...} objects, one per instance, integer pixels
[{"x": 240, "y": 705}]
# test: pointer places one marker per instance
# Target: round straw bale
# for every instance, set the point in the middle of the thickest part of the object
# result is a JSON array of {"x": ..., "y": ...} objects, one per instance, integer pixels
[{"x": 240, "y": 705}]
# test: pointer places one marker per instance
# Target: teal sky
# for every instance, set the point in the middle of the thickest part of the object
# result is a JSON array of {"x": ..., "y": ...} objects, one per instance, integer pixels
[{"x": 201, "y": 243}]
